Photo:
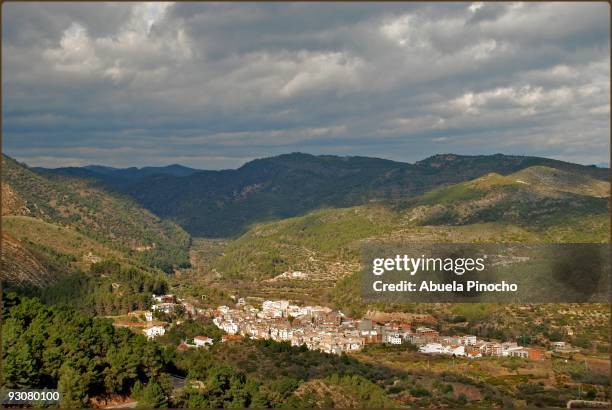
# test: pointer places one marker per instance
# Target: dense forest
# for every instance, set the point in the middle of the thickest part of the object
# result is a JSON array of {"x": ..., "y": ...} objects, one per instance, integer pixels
[
  {"x": 51, "y": 347},
  {"x": 107, "y": 288}
]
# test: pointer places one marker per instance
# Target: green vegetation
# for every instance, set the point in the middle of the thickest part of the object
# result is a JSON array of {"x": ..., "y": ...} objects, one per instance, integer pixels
[
  {"x": 451, "y": 194},
  {"x": 273, "y": 375},
  {"x": 150, "y": 395},
  {"x": 98, "y": 253},
  {"x": 108, "y": 289},
  {"x": 109, "y": 218},
  {"x": 189, "y": 329},
  {"x": 44, "y": 347},
  {"x": 325, "y": 244},
  {"x": 226, "y": 203},
  {"x": 310, "y": 243}
]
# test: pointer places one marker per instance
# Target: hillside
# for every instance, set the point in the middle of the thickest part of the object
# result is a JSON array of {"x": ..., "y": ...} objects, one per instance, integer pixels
[
  {"x": 20, "y": 267},
  {"x": 225, "y": 203},
  {"x": 535, "y": 197},
  {"x": 112, "y": 220},
  {"x": 537, "y": 204},
  {"x": 59, "y": 240}
]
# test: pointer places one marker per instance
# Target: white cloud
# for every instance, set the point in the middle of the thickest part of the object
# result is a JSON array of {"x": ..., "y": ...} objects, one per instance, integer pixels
[
  {"x": 245, "y": 80},
  {"x": 528, "y": 97},
  {"x": 75, "y": 53},
  {"x": 132, "y": 52},
  {"x": 320, "y": 72},
  {"x": 475, "y": 6}
]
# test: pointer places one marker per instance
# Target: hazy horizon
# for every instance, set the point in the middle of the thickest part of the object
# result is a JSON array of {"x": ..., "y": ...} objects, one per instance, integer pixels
[{"x": 599, "y": 165}]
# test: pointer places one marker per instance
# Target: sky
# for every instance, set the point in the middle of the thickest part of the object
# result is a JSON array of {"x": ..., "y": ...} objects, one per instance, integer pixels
[{"x": 214, "y": 85}]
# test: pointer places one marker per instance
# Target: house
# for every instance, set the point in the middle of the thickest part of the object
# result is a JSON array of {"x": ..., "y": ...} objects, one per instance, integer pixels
[
  {"x": 353, "y": 344},
  {"x": 168, "y": 299},
  {"x": 165, "y": 307},
  {"x": 426, "y": 332},
  {"x": 519, "y": 352},
  {"x": 202, "y": 341},
  {"x": 419, "y": 340},
  {"x": 472, "y": 352},
  {"x": 467, "y": 340},
  {"x": 535, "y": 354},
  {"x": 370, "y": 337},
  {"x": 274, "y": 308},
  {"x": 491, "y": 349},
  {"x": 456, "y": 350},
  {"x": 164, "y": 298},
  {"x": 230, "y": 327},
  {"x": 330, "y": 318},
  {"x": 393, "y": 338},
  {"x": 154, "y": 331},
  {"x": 432, "y": 348},
  {"x": 148, "y": 316},
  {"x": 507, "y": 346},
  {"x": 558, "y": 345}
]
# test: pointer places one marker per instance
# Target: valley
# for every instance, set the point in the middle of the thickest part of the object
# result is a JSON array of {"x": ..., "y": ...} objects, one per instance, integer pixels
[{"x": 103, "y": 241}]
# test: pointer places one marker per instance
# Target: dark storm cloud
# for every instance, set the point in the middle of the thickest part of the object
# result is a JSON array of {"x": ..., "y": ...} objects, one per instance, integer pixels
[{"x": 214, "y": 85}]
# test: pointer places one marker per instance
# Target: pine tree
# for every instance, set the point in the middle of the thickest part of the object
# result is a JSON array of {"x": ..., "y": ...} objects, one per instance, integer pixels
[
  {"x": 152, "y": 396},
  {"x": 72, "y": 387}
]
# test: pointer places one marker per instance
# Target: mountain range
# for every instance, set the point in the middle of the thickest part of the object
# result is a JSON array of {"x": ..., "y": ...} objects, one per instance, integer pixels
[
  {"x": 291, "y": 213},
  {"x": 225, "y": 203}
]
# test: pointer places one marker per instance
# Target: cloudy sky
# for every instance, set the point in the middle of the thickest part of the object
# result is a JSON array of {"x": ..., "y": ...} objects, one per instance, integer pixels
[{"x": 215, "y": 85}]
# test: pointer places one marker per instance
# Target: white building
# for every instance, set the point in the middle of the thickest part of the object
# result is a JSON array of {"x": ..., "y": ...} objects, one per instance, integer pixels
[
  {"x": 230, "y": 327},
  {"x": 432, "y": 348},
  {"x": 393, "y": 338},
  {"x": 518, "y": 352},
  {"x": 202, "y": 341},
  {"x": 506, "y": 347},
  {"x": 164, "y": 307},
  {"x": 154, "y": 331},
  {"x": 468, "y": 340},
  {"x": 275, "y": 304},
  {"x": 457, "y": 350},
  {"x": 439, "y": 348},
  {"x": 558, "y": 345}
]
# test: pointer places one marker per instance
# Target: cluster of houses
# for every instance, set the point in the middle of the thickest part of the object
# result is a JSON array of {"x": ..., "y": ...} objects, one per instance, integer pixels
[
  {"x": 471, "y": 347},
  {"x": 330, "y": 331},
  {"x": 316, "y": 327},
  {"x": 321, "y": 328},
  {"x": 169, "y": 304}
]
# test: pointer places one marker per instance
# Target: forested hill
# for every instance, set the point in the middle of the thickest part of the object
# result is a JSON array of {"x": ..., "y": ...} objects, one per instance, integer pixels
[
  {"x": 100, "y": 171},
  {"x": 86, "y": 208},
  {"x": 225, "y": 203}
]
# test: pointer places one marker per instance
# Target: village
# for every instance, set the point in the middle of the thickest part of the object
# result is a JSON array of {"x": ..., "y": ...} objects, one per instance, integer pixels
[
  {"x": 321, "y": 328},
  {"x": 330, "y": 331}
]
